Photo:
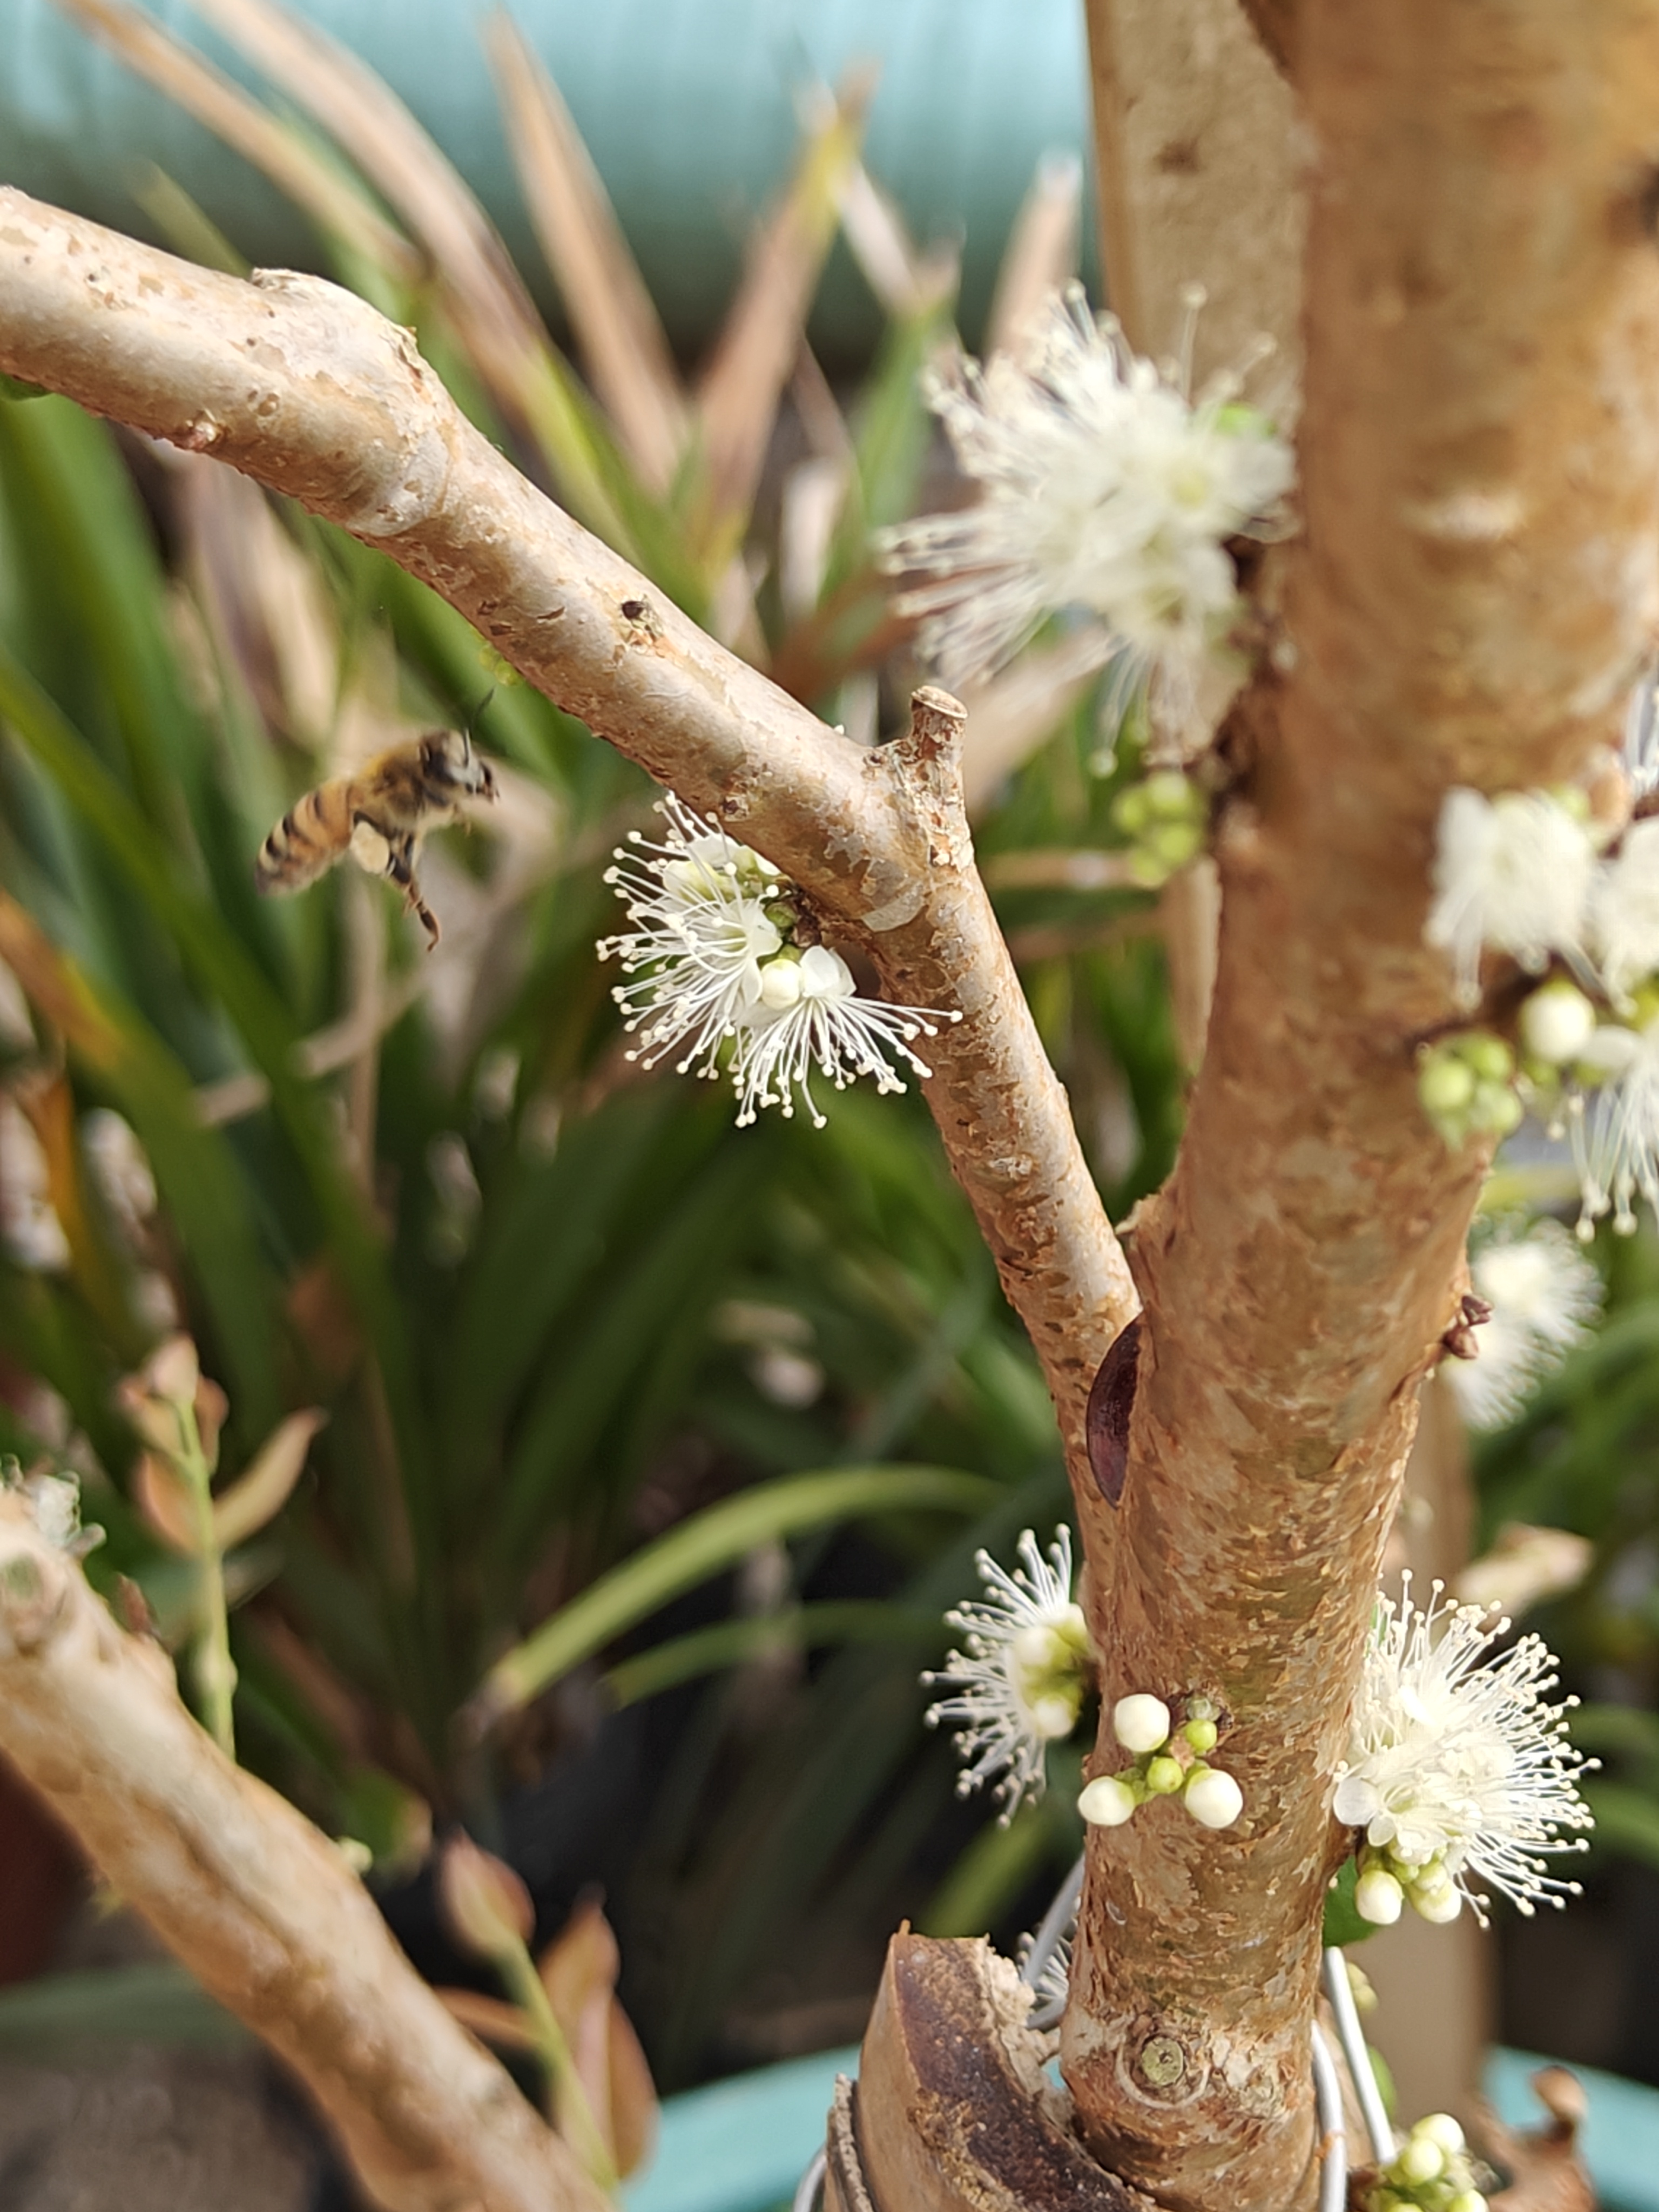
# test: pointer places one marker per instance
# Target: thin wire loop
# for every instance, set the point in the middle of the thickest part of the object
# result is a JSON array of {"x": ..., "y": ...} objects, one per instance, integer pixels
[
  {"x": 1340, "y": 1989},
  {"x": 1333, "y": 2129}
]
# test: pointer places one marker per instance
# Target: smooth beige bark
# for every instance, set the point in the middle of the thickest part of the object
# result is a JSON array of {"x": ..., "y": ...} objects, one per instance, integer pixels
[{"x": 261, "y": 1908}]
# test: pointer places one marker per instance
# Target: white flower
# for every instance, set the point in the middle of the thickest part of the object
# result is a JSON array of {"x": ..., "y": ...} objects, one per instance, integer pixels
[
  {"x": 713, "y": 954},
  {"x": 1458, "y": 1770},
  {"x": 1544, "y": 1297},
  {"x": 1020, "y": 1683},
  {"x": 1104, "y": 489},
  {"x": 701, "y": 905},
  {"x": 1511, "y": 874},
  {"x": 1624, "y": 912},
  {"x": 810, "y": 1014},
  {"x": 1615, "y": 1131}
]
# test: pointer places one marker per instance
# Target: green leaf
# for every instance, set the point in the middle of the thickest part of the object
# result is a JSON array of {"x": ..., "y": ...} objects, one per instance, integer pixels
[
  {"x": 1626, "y": 1820},
  {"x": 712, "y": 1540},
  {"x": 800, "y": 1628},
  {"x": 149, "y": 2003},
  {"x": 1343, "y": 1924},
  {"x": 990, "y": 1873}
]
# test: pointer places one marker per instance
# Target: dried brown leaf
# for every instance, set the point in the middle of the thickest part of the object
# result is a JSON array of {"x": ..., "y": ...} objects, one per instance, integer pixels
[
  {"x": 579, "y": 1972},
  {"x": 258, "y": 1495},
  {"x": 907, "y": 282},
  {"x": 622, "y": 344},
  {"x": 761, "y": 338},
  {"x": 483, "y": 292},
  {"x": 154, "y": 53},
  {"x": 162, "y": 1496},
  {"x": 492, "y": 2020},
  {"x": 1041, "y": 257}
]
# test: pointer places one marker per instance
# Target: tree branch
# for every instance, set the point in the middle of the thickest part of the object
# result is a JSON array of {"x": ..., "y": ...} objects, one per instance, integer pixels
[
  {"x": 1478, "y": 587},
  {"x": 261, "y": 1907},
  {"x": 302, "y": 385}
]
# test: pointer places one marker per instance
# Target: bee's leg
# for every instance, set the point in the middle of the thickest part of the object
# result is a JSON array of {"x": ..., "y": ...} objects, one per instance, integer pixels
[{"x": 400, "y": 870}]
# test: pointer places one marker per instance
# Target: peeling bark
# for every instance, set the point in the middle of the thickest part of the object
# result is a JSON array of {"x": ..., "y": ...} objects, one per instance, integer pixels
[{"x": 1479, "y": 581}]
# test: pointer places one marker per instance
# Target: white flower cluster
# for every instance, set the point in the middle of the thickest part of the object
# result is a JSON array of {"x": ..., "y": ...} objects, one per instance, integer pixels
[
  {"x": 1431, "y": 2170},
  {"x": 1458, "y": 1770},
  {"x": 1107, "y": 490},
  {"x": 1544, "y": 1297},
  {"x": 1521, "y": 874},
  {"x": 1020, "y": 1683},
  {"x": 1168, "y": 1762},
  {"x": 715, "y": 954}
]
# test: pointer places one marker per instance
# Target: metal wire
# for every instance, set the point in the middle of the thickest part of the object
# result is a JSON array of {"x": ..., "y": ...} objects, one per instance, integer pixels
[
  {"x": 1340, "y": 1989},
  {"x": 1056, "y": 1925},
  {"x": 1333, "y": 2129},
  {"x": 812, "y": 2182}
]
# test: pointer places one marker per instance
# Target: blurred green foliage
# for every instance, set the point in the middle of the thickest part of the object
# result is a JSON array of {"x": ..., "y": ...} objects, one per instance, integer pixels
[{"x": 556, "y": 1311}]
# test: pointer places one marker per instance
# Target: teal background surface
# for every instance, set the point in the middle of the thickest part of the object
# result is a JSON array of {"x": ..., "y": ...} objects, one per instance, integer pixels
[
  {"x": 689, "y": 107},
  {"x": 741, "y": 2146}
]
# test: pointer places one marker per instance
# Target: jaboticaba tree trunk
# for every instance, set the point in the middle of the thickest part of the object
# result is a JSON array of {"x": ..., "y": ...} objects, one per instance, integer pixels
[{"x": 1476, "y": 589}]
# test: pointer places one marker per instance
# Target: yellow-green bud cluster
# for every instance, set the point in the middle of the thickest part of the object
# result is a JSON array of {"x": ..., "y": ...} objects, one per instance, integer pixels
[
  {"x": 1169, "y": 1761},
  {"x": 1387, "y": 1882},
  {"x": 1466, "y": 1087},
  {"x": 1431, "y": 2171},
  {"x": 1163, "y": 817}
]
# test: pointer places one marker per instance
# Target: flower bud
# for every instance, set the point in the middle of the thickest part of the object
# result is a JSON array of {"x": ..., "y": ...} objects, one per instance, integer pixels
[
  {"x": 1467, "y": 2200},
  {"x": 172, "y": 1372},
  {"x": 781, "y": 983},
  {"x": 1378, "y": 1898},
  {"x": 1052, "y": 1716},
  {"x": 1107, "y": 1802},
  {"x": 1201, "y": 1735},
  {"x": 1141, "y": 1722},
  {"x": 1556, "y": 1023},
  {"x": 1421, "y": 2161},
  {"x": 1213, "y": 1799},
  {"x": 1438, "y": 1899},
  {"x": 1441, "y": 2128},
  {"x": 485, "y": 1903},
  {"x": 1445, "y": 1085},
  {"x": 1164, "y": 1776}
]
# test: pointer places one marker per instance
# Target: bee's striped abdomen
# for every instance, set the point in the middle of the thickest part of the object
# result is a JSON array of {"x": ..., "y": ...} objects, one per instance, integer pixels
[{"x": 309, "y": 840}]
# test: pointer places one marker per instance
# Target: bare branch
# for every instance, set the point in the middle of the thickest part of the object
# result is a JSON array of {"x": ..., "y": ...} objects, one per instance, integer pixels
[
  {"x": 261, "y": 1908},
  {"x": 304, "y": 387}
]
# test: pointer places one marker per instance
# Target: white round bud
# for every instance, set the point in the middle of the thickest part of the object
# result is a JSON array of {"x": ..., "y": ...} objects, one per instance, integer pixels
[
  {"x": 1421, "y": 2161},
  {"x": 1140, "y": 1723},
  {"x": 1052, "y": 1716},
  {"x": 1556, "y": 1023},
  {"x": 1467, "y": 2200},
  {"x": 1213, "y": 1799},
  {"x": 780, "y": 984},
  {"x": 1378, "y": 1898},
  {"x": 1441, "y": 2128},
  {"x": 1439, "y": 1901},
  {"x": 1106, "y": 1802}
]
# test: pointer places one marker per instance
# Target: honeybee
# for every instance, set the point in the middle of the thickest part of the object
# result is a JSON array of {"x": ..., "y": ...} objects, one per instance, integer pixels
[{"x": 379, "y": 816}]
